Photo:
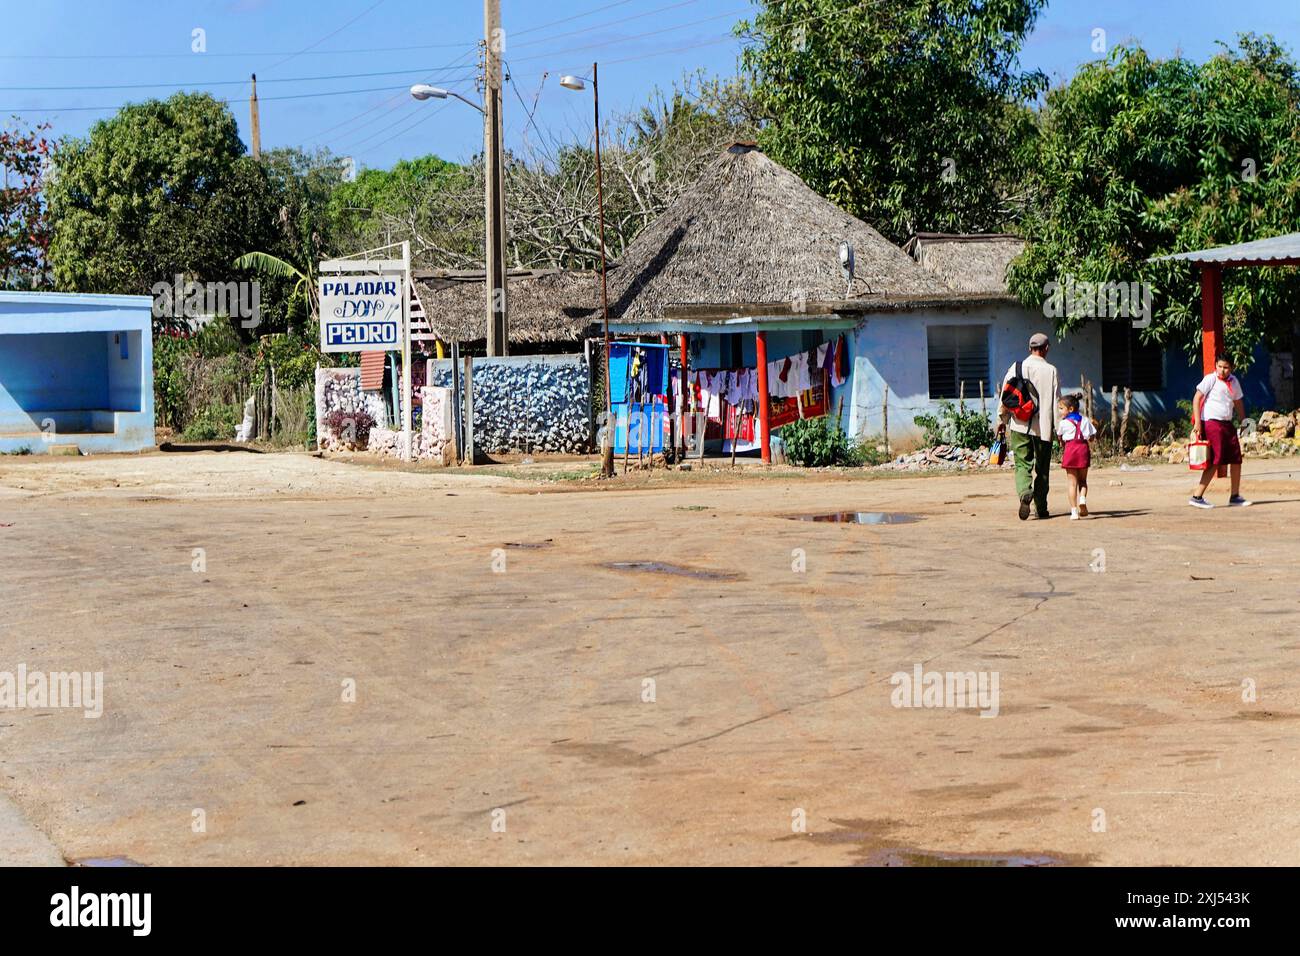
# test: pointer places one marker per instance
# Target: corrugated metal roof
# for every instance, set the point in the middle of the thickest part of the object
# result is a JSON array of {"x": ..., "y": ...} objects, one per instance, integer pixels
[
  {"x": 372, "y": 371},
  {"x": 1278, "y": 250}
]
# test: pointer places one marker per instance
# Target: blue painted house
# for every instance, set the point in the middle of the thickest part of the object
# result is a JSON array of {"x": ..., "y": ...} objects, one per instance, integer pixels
[{"x": 75, "y": 370}]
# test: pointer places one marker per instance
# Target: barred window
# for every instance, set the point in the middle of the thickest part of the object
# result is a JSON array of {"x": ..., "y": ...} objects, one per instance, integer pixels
[
  {"x": 958, "y": 354},
  {"x": 1126, "y": 362}
]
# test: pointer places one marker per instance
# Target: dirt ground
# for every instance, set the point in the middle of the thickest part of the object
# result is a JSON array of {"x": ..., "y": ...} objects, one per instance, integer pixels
[{"x": 520, "y": 698}]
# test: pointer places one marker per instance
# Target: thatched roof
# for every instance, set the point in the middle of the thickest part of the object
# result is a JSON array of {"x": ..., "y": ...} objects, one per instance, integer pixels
[
  {"x": 543, "y": 306},
  {"x": 751, "y": 232},
  {"x": 967, "y": 263}
]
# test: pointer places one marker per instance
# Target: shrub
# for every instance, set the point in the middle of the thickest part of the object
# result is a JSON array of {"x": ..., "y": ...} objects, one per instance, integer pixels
[
  {"x": 955, "y": 425},
  {"x": 215, "y": 422},
  {"x": 816, "y": 443},
  {"x": 351, "y": 427}
]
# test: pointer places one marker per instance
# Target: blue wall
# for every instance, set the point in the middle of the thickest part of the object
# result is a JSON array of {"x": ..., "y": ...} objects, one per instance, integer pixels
[
  {"x": 75, "y": 369},
  {"x": 893, "y": 350}
]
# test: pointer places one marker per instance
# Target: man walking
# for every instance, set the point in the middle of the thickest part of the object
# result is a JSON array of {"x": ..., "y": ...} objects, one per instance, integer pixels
[{"x": 1030, "y": 438}]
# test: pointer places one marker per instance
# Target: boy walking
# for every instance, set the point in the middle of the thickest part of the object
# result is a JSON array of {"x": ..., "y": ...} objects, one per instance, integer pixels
[
  {"x": 1213, "y": 404},
  {"x": 1031, "y": 441}
]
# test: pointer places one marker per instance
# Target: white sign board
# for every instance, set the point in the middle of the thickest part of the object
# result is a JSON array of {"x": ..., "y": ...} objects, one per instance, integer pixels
[{"x": 360, "y": 313}]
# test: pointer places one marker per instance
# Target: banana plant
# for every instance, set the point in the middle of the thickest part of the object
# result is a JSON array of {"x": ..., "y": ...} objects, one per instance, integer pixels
[{"x": 269, "y": 265}]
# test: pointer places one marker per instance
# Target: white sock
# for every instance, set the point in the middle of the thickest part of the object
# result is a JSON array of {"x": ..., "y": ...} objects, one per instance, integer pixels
[
  {"x": 1083, "y": 497},
  {"x": 1074, "y": 511}
]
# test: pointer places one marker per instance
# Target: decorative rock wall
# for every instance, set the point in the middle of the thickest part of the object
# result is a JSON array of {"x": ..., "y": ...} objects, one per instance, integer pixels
[
  {"x": 528, "y": 403},
  {"x": 340, "y": 388}
]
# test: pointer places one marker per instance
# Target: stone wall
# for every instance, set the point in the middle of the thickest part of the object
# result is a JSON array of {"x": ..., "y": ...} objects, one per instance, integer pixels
[
  {"x": 527, "y": 403},
  {"x": 340, "y": 389}
]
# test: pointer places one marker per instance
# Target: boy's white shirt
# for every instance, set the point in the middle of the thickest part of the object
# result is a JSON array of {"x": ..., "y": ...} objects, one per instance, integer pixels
[{"x": 1220, "y": 397}]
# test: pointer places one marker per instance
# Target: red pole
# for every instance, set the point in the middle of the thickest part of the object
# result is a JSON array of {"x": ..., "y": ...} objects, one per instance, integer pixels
[
  {"x": 686, "y": 395},
  {"x": 1211, "y": 316},
  {"x": 764, "y": 443}
]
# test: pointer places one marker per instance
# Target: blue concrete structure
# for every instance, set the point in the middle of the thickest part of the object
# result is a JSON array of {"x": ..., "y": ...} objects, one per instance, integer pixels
[{"x": 75, "y": 370}]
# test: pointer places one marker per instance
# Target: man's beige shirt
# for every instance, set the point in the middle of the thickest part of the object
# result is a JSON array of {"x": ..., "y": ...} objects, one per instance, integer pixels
[{"x": 1042, "y": 375}]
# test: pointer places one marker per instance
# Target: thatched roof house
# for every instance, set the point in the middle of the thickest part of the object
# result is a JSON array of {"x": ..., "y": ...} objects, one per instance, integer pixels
[
  {"x": 751, "y": 233},
  {"x": 967, "y": 263},
  {"x": 749, "y": 237}
]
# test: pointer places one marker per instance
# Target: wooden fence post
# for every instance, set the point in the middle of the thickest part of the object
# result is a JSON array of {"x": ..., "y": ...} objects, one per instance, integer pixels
[
  {"x": 1123, "y": 427},
  {"x": 884, "y": 412}
]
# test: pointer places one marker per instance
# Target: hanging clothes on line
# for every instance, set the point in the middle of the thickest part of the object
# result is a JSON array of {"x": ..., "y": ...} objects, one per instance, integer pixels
[{"x": 839, "y": 363}]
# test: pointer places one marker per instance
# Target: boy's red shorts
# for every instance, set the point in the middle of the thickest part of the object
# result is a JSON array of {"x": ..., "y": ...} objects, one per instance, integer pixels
[{"x": 1224, "y": 447}]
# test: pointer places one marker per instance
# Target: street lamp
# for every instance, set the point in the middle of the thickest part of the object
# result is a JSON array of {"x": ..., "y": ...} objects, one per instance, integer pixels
[
  {"x": 494, "y": 273},
  {"x": 423, "y": 91},
  {"x": 578, "y": 83}
]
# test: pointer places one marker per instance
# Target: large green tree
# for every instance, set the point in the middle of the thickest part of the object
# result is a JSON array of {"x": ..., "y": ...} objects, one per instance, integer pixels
[
  {"x": 165, "y": 188},
  {"x": 1138, "y": 157},
  {"x": 909, "y": 113},
  {"x": 161, "y": 188}
]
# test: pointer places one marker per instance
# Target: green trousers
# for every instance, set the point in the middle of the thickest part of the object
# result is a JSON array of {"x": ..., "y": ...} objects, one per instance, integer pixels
[{"x": 1033, "y": 466}]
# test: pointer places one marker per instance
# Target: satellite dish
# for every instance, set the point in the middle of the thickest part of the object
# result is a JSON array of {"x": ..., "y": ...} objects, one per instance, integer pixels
[{"x": 846, "y": 260}]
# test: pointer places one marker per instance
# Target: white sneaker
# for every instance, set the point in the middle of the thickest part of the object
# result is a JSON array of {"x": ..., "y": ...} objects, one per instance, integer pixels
[
  {"x": 1197, "y": 502},
  {"x": 1236, "y": 501},
  {"x": 1074, "y": 514}
]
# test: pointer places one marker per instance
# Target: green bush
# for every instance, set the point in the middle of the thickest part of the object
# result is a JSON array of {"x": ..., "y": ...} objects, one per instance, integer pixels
[
  {"x": 817, "y": 443},
  {"x": 170, "y": 383},
  {"x": 965, "y": 428},
  {"x": 214, "y": 423},
  {"x": 293, "y": 358}
]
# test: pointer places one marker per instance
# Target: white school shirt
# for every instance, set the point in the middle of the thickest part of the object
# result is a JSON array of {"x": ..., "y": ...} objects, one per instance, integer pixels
[
  {"x": 1219, "y": 397},
  {"x": 1069, "y": 431}
]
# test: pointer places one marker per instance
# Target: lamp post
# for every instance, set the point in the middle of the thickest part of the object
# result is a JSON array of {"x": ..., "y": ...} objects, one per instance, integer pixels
[
  {"x": 494, "y": 222},
  {"x": 607, "y": 446}
]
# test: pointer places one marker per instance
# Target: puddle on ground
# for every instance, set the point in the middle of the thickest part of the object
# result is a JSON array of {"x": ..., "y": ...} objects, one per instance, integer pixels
[
  {"x": 906, "y": 857},
  {"x": 105, "y": 861},
  {"x": 859, "y": 517},
  {"x": 659, "y": 567}
]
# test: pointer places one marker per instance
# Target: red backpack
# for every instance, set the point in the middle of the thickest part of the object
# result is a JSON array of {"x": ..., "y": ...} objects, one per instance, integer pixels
[{"x": 1019, "y": 396}]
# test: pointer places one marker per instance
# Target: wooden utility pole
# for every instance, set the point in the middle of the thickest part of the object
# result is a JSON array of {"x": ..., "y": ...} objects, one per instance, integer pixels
[
  {"x": 498, "y": 335},
  {"x": 255, "y": 123}
]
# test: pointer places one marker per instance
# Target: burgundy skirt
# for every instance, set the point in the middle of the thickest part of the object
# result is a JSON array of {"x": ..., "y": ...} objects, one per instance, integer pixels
[
  {"x": 1224, "y": 447},
  {"x": 1076, "y": 454}
]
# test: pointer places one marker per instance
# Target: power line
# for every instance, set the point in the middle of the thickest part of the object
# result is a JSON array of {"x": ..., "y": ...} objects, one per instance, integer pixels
[
  {"x": 393, "y": 102},
  {"x": 402, "y": 132},
  {"x": 629, "y": 39},
  {"x": 611, "y": 23},
  {"x": 576, "y": 16},
  {"x": 327, "y": 36},
  {"x": 310, "y": 51},
  {"x": 261, "y": 99},
  {"x": 249, "y": 54},
  {"x": 286, "y": 79}
]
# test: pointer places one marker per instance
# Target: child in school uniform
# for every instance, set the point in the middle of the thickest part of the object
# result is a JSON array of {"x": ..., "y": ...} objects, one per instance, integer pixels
[{"x": 1076, "y": 455}]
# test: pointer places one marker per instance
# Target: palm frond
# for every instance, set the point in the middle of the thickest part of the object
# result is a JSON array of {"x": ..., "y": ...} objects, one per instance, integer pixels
[{"x": 271, "y": 265}]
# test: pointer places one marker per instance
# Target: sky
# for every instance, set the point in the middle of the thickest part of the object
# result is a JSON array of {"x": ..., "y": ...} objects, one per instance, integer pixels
[{"x": 335, "y": 73}]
